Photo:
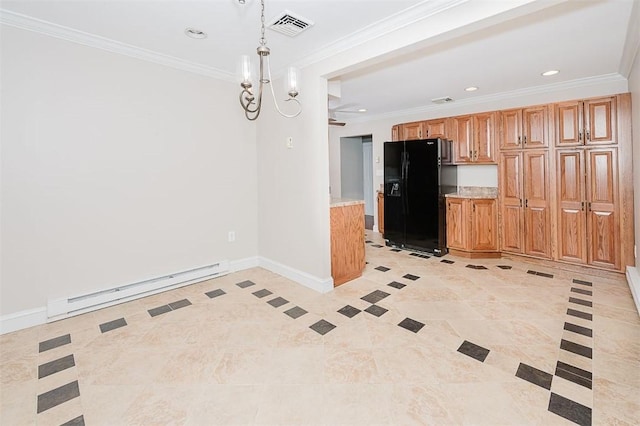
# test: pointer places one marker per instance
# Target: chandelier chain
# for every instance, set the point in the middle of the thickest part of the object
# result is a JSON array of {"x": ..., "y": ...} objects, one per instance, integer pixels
[{"x": 262, "y": 39}]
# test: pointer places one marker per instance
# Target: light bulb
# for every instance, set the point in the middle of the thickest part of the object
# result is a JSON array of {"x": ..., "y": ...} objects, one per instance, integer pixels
[
  {"x": 293, "y": 81},
  {"x": 244, "y": 70}
]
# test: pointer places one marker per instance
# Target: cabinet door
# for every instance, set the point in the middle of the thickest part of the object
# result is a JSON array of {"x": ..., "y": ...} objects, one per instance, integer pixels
[
  {"x": 535, "y": 124},
  {"x": 456, "y": 223},
  {"x": 568, "y": 117},
  {"x": 395, "y": 133},
  {"x": 512, "y": 219},
  {"x": 463, "y": 139},
  {"x": 436, "y": 128},
  {"x": 381, "y": 212},
  {"x": 412, "y": 131},
  {"x": 483, "y": 225},
  {"x": 602, "y": 212},
  {"x": 600, "y": 121},
  {"x": 571, "y": 205},
  {"x": 536, "y": 211},
  {"x": 511, "y": 123},
  {"x": 484, "y": 137}
]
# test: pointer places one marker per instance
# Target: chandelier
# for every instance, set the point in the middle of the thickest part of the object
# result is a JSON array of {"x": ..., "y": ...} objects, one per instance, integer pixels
[{"x": 250, "y": 104}]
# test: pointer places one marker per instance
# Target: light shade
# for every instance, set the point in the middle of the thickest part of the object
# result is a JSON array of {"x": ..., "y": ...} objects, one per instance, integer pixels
[
  {"x": 245, "y": 71},
  {"x": 292, "y": 81}
]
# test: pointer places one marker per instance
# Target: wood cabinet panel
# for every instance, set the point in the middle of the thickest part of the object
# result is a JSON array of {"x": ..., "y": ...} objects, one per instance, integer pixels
[
  {"x": 437, "y": 128},
  {"x": 568, "y": 123},
  {"x": 536, "y": 192},
  {"x": 511, "y": 122},
  {"x": 524, "y": 128},
  {"x": 381, "y": 212},
  {"x": 395, "y": 133},
  {"x": 600, "y": 121},
  {"x": 463, "y": 139},
  {"x": 571, "y": 205},
  {"x": 511, "y": 213},
  {"x": 457, "y": 231},
  {"x": 347, "y": 243},
  {"x": 413, "y": 131},
  {"x": 472, "y": 227},
  {"x": 484, "y": 136},
  {"x": 484, "y": 225}
]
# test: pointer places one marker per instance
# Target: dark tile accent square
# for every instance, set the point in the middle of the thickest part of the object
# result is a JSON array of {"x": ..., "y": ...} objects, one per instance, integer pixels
[
  {"x": 376, "y": 245},
  {"x": 215, "y": 293},
  {"x": 411, "y": 277},
  {"x": 587, "y": 283},
  {"x": 474, "y": 351},
  {"x": 420, "y": 255},
  {"x": 262, "y": 293},
  {"x": 277, "y": 302},
  {"x": 477, "y": 267},
  {"x": 535, "y": 376},
  {"x": 376, "y": 310},
  {"x": 382, "y": 268},
  {"x": 245, "y": 284},
  {"x": 179, "y": 304},
  {"x": 295, "y": 312},
  {"x": 578, "y": 329},
  {"x": 581, "y": 291},
  {"x": 447, "y": 261},
  {"x": 349, "y": 311},
  {"x": 411, "y": 325},
  {"x": 579, "y": 379},
  {"x": 505, "y": 267},
  {"x": 322, "y": 327},
  {"x": 375, "y": 296},
  {"x": 395, "y": 250},
  {"x": 55, "y": 342},
  {"x": 543, "y": 274},
  {"x": 580, "y": 314},
  {"x": 532, "y": 272},
  {"x": 396, "y": 284},
  {"x": 159, "y": 310},
  {"x": 53, "y": 367},
  {"x": 570, "y": 410},
  {"x": 580, "y": 301},
  {"x": 368, "y": 241},
  {"x": 78, "y": 421},
  {"x": 576, "y": 348},
  {"x": 58, "y": 396},
  {"x": 574, "y": 370},
  {"x": 112, "y": 325}
]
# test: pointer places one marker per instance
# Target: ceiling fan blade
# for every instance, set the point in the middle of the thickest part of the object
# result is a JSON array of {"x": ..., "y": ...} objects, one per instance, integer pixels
[{"x": 336, "y": 123}]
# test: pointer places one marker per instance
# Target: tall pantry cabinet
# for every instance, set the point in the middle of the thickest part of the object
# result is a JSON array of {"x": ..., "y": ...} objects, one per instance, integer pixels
[
  {"x": 524, "y": 182},
  {"x": 589, "y": 197}
]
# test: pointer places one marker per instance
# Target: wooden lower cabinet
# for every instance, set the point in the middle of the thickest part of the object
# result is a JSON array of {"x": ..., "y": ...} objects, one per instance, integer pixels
[
  {"x": 381, "y": 212},
  {"x": 347, "y": 242},
  {"x": 588, "y": 212},
  {"x": 472, "y": 227}
]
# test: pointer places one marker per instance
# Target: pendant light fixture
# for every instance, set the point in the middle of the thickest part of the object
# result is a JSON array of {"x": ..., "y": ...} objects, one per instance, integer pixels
[{"x": 250, "y": 104}]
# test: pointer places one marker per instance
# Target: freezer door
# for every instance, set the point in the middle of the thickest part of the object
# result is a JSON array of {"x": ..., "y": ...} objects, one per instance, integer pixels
[{"x": 393, "y": 193}]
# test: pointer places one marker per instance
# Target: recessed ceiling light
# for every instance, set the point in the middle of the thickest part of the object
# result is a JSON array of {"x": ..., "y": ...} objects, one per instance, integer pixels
[
  {"x": 194, "y": 33},
  {"x": 550, "y": 72},
  {"x": 362, "y": 110},
  {"x": 471, "y": 89}
]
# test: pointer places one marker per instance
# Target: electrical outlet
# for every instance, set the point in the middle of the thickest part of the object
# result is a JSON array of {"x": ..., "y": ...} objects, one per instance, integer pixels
[{"x": 232, "y": 236}]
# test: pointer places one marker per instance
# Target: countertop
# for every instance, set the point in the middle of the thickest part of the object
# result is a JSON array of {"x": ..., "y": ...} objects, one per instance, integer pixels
[
  {"x": 474, "y": 192},
  {"x": 342, "y": 202}
]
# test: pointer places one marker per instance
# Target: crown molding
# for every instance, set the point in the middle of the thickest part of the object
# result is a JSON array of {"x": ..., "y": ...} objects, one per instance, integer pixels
[
  {"x": 404, "y": 18},
  {"x": 69, "y": 34},
  {"x": 613, "y": 78}
]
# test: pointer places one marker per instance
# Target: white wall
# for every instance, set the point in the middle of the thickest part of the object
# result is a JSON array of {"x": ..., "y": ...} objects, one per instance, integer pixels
[
  {"x": 351, "y": 168},
  {"x": 634, "y": 88},
  {"x": 115, "y": 170}
]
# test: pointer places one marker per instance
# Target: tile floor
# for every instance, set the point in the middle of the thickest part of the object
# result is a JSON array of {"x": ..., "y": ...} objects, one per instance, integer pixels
[{"x": 415, "y": 340}]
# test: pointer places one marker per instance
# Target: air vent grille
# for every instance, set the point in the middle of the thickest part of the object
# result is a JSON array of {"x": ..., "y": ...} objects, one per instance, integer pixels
[
  {"x": 442, "y": 100},
  {"x": 289, "y": 24}
]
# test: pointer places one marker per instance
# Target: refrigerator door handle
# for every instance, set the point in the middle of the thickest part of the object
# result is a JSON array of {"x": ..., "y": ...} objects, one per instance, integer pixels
[{"x": 406, "y": 183}]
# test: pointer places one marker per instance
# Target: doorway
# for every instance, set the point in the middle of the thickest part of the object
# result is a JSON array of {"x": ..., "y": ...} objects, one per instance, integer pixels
[{"x": 356, "y": 172}]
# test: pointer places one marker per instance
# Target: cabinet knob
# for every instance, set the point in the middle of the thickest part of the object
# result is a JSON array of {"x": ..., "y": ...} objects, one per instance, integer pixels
[{"x": 519, "y": 140}]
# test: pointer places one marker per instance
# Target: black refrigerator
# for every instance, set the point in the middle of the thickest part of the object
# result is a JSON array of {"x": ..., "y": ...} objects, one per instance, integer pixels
[{"x": 415, "y": 181}]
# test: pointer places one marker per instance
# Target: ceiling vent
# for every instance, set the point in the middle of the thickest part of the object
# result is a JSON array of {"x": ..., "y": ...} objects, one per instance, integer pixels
[
  {"x": 289, "y": 24},
  {"x": 442, "y": 100}
]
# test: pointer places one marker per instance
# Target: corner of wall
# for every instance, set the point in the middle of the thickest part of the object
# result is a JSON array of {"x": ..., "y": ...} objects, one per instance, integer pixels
[{"x": 633, "y": 279}]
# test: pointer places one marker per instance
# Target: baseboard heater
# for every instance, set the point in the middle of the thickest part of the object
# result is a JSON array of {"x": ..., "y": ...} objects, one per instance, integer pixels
[{"x": 66, "y": 307}]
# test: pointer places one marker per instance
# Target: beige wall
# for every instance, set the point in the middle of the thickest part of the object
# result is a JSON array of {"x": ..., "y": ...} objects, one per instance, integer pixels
[
  {"x": 634, "y": 88},
  {"x": 115, "y": 170}
]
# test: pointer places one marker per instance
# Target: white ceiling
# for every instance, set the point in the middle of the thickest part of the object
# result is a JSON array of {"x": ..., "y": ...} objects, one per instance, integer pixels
[{"x": 583, "y": 39}]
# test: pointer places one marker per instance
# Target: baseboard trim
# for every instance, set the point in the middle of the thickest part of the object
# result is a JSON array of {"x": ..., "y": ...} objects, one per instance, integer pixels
[
  {"x": 23, "y": 319},
  {"x": 633, "y": 279},
  {"x": 242, "y": 264},
  {"x": 318, "y": 284}
]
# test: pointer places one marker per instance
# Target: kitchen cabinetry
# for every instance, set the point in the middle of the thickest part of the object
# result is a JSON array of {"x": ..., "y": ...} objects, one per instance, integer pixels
[
  {"x": 586, "y": 122},
  {"x": 381, "y": 212},
  {"x": 588, "y": 212},
  {"x": 524, "y": 128},
  {"x": 413, "y": 131},
  {"x": 472, "y": 227},
  {"x": 474, "y": 139},
  {"x": 395, "y": 133},
  {"x": 525, "y": 204},
  {"x": 347, "y": 241}
]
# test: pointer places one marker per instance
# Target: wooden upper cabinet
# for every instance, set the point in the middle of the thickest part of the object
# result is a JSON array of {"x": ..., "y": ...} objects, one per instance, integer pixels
[
  {"x": 524, "y": 128},
  {"x": 438, "y": 128},
  {"x": 588, "y": 122},
  {"x": 413, "y": 131},
  {"x": 474, "y": 138},
  {"x": 395, "y": 133}
]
